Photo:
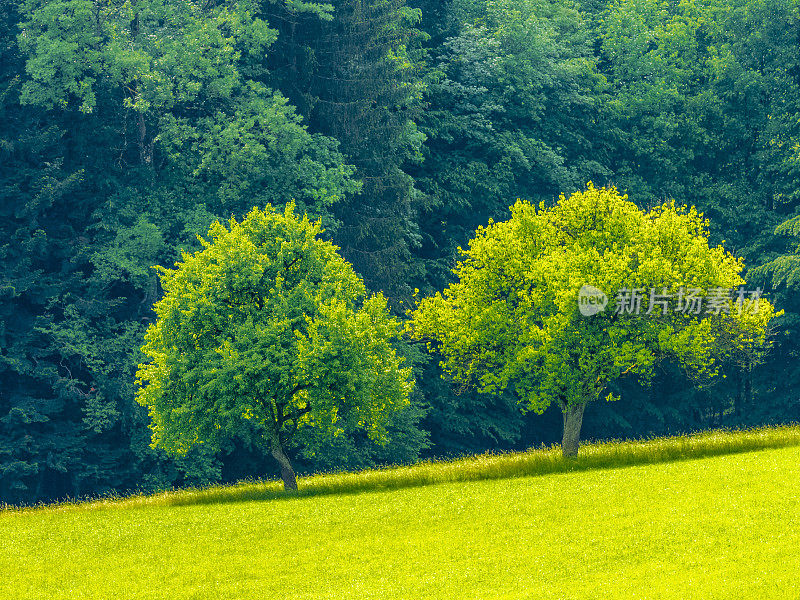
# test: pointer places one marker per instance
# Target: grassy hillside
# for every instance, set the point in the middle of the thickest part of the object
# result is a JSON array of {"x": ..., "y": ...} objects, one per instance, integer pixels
[{"x": 717, "y": 527}]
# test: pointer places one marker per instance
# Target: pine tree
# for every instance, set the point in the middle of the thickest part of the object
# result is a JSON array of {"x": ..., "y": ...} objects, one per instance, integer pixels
[{"x": 356, "y": 77}]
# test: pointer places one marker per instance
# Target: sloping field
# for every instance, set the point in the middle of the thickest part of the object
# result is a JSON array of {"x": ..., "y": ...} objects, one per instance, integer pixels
[{"x": 718, "y": 527}]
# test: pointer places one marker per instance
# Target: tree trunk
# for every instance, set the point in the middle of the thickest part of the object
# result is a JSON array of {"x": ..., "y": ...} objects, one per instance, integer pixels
[
  {"x": 145, "y": 148},
  {"x": 573, "y": 419},
  {"x": 287, "y": 472},
  {"x": 748, "y": 384}
]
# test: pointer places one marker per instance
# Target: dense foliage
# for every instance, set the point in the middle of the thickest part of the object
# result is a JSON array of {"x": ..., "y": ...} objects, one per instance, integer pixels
[
  {"x": 264, "y": 332},
  {"x": 128, "y": 127},
  {"x": 560, "y": 302}
]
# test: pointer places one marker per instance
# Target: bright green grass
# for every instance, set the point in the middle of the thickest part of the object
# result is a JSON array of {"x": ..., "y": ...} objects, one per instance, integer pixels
[
  {"x": 544, "y": 461},
  {"x": 718, "y": 527}
]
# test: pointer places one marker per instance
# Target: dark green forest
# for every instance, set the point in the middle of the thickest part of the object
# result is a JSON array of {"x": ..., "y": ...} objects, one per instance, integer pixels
[{"x": 128, "y": 126}]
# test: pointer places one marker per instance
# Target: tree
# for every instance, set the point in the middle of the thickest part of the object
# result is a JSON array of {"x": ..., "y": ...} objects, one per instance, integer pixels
[
  {"x": 513, "y": 316},
  {"x": 703, "y": 103},
  {"x": 355, "y": 76},
  {"x": 126, "y": 129},
  {"x": 513, "y": 113},
  {"x": 43, "y": 444},
  {"x": 781, "y": 276},
  {"x": 265, "y": 331}
]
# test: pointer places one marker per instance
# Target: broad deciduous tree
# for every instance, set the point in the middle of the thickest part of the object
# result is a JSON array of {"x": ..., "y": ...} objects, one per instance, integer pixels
[
  {"x": 513, "y": 317},
  {"x": 265, "y": 331}
]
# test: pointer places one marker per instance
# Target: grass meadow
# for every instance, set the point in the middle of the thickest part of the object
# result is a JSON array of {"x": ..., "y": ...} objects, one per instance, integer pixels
[{"x": 709, "y": 516}]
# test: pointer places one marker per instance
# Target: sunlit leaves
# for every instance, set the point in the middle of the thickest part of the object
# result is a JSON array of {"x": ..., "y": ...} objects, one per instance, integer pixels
[
  {"x": 264, "y": 331},
  {"x": 512, "y": 317}
]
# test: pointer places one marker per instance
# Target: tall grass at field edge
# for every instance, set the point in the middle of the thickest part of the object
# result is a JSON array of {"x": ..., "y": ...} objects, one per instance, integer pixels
[{"x": 597, "y": 455}]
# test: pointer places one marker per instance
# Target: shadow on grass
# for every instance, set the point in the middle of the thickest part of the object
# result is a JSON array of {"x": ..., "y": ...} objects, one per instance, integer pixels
[{"x": 545, "y": 461}]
